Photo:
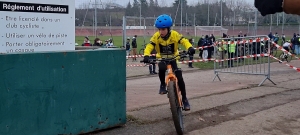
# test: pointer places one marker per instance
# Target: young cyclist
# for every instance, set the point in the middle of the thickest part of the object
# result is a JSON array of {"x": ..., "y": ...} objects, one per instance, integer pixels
[
  {"x": 287, "y": 45},
  {"x": 165, "y": 41}
]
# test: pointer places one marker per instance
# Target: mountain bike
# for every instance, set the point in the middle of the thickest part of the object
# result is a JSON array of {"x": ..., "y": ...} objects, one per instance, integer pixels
[
  {"x": 174, "y": 93},
  {"x": 285, "y": 57}
]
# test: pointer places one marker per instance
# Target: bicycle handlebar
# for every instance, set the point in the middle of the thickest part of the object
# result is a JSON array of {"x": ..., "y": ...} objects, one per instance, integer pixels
[{"x": 153, "y": 61}]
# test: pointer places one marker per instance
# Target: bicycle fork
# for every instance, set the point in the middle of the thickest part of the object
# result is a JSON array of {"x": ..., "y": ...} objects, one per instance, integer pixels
[{"x": 172, "y": 77}]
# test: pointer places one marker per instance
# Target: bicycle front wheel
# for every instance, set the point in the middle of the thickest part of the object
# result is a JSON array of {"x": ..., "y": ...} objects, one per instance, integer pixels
[
  {"x": 288, "y": 58},
  {"x": 175, "y": 108}
]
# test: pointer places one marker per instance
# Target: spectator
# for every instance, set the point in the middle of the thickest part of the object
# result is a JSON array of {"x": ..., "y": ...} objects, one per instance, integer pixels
[
  {"x": 256, "y": 48},
  {"x": 86, "y": 42},
  {"x": 191, "y": 40},
  {"x": 283, "y": 38},
  {"x": 106, "y": 45},
  {"x": 271, "y": 35},
  {"x": 276, "y": 38},
  {"x": 97, "y": 42},
  {"x": 134, "y": 47},
  {"x": 293, "y": 41},
  {"x": 297, "y": 45},
  {"x": 231, "y": 52},
  {"x": 213, "y": 38},
  {"x": 127, "y": 46},
  {"x": 210, "y": 48},
  {"x": 222, "y": 48},
  {"x": 200, "y": 44},
  {"x": 213, "y": 41},
  {"x": 239, "y": 48},
  {"x": 110, "y": 42},
  {"x": 204, "y": 45}
]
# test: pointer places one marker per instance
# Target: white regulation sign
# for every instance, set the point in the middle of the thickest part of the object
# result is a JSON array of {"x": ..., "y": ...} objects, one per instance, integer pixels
[{"x": 37, "y": 25}]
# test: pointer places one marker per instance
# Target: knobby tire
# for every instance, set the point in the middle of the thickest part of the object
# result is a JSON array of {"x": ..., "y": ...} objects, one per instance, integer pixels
[{"x": 175, "y": 108}]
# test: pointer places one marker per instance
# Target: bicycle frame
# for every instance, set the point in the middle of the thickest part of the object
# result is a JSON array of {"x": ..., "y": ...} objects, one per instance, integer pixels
[{"x": 171, "y": 77}]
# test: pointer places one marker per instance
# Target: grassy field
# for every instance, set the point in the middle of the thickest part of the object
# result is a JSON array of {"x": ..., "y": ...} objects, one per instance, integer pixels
[{"x": 118, "y": 40}]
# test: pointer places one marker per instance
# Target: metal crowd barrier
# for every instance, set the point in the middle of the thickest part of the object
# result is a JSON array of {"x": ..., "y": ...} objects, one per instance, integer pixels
[{"x": 243, "y": 55}]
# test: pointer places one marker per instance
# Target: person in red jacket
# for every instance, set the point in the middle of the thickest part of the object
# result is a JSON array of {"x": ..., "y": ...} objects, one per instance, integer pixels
[{"x": 86, "y": 42}]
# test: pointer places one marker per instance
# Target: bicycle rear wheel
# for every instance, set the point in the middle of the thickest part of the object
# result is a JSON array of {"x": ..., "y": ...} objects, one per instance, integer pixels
[{"x": 175, "y": 108}]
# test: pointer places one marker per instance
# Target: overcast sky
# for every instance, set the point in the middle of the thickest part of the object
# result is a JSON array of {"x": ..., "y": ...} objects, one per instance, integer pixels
[{"x": 125, "y": 2}]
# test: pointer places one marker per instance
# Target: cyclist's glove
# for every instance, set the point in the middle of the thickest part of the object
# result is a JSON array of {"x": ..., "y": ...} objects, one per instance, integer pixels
[
  {"x": 191, "y": 51},
  {"x": 268, "y": 7},
  {"x": 146, "y": 59}
]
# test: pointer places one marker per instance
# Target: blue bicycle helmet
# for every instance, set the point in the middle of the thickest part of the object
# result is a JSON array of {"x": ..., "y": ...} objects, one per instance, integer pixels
[{"x": 163, "y": 21}]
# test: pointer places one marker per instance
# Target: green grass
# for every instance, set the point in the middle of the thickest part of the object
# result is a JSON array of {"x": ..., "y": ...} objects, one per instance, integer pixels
[{"x": 116, "y": 39}]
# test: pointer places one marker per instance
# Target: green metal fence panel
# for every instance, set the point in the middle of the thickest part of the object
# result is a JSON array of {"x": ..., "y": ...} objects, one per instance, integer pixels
[{"x": 62, "y": 92}]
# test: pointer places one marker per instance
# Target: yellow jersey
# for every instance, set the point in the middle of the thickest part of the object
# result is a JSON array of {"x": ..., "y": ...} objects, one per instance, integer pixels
[{"x": 166, "y": 47}]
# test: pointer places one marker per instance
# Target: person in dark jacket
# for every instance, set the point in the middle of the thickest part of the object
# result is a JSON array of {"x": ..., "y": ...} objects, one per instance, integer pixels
[
  {"x": 256, "y": 48},
  {"x": 97, "y": 42},
  {"x": 213, "y": 38},
  {"x": 127, "y": 47},
  {"x": 134, "y": 47},
  {"x": 293, "y": 41},
  {"x": 297, "y": 45},
  {"x": 283, "y": 38},
  {"x": 200, "y": 43},
  {"x": 270, "y": 35},
  {"x": 204, "y": 45},
  {"x": 191, "y": 56},
  {"x": 209, "y": 49}
]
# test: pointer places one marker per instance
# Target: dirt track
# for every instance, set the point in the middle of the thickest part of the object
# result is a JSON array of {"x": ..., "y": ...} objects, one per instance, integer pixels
[{"x": 233, "y": 106}]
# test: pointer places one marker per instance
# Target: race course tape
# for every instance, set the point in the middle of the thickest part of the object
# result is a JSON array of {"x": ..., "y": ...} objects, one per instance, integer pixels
[
  {"x": 214, "y": 44},
  {"x": 285, "y": 63},
  {"x": 140, "y": 56},
  {"x": 205, "y": 60}
]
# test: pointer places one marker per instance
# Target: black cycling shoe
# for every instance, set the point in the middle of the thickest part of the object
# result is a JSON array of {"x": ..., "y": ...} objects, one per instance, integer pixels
[
  {"x": 186, "y": 105},
  {"x": 162, "y": 89}
]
